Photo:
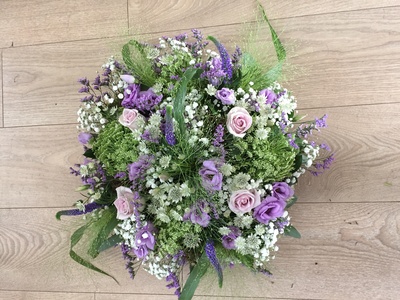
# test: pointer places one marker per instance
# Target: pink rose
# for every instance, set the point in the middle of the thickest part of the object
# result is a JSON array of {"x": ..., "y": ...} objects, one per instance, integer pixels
[
  {"x": 243, "y": 201},
  {"x": 130, "y": 118},
  {"x": 238, "y": 121},
  {"x": 124, "y": 203}
]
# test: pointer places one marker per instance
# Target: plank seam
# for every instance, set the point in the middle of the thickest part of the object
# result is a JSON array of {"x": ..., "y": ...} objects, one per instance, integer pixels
[
  {"x": 200, "y": 27},
  {"x": 127, "y": 15}
]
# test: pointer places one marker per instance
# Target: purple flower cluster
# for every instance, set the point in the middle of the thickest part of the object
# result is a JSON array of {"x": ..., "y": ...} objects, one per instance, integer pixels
[
  {"x": 173, "y": 280},
  {"x": 76, "y": 212},
  {"x": 324, "y": 165},
  {"x": 146, "y": 135},
  {"x": 198, "y": 214},
  {"x": 137, "y": 170},
  {"x": 214, "y": 72},
  {"x": 144, "y": 240},
  {"x": 212, "y": 256},
  {"x": 226, "y": 61},
  {"x": 130, "y": 260},
  {"x": 143, "y": 101},
  {"x": 218, "y": 136},
  {"x": 211, "y": 177},
  {"x": 228, "y": 240},
  {"x": 169, "y": 127}
]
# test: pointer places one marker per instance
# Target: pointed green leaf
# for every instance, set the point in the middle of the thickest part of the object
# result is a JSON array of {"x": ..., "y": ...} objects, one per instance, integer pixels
[
  {"x": 292, "y": 231},
  {"x": 110, "y": 242},
  {"x": 75, "y": 238},
  {"x": 279, "y": 49},
  {"x": 179, "y": 100},
  {"x": 194, "y": 278},
  {"x": 290, "y": 202}
]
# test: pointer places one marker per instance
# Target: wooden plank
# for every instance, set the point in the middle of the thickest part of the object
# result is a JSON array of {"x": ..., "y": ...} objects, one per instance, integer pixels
[
  {"x": 28, "y": 295},
  {"x": 348, "y": 251},
  {"x": 336, "y": 70},
  {"x": 30, "y": 22},
  {"x": 1, "y": 89},
  {"x": 34, "y": 166},
  {"x": 365, "y": 142},
  {"x": 103, "y": 296},
  {"x": 183, "y": 14}
]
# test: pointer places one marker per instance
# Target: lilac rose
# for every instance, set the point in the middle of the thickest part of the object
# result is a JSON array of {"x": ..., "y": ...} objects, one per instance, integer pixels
[
  {"x": 141, "y": 252},
  {"x": 227, "y": 96},
  {"x": 238, "y": 121},
  {"x": 210, "y": 176},
  {"x": 282, "y": 191},
  {"x": 198, "y": 215},
  {"x": 124, "y": 203},
  {"x": 269, "y": 95},
  {"x": 243, "y": 201},
  {"x": 131, "y": 94},
  {"x": 269, "y": 209},
  {"x": 131, "y": 118}
]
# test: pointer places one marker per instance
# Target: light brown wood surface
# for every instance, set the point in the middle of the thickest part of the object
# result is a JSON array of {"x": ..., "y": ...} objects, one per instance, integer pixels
[{"x": 347, "y": 59}]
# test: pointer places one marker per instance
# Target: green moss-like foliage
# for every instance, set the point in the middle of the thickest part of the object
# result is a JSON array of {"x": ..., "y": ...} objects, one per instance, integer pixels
[
  {"x": 271, "y": 159},
  {"x": 115, "y": 147}
]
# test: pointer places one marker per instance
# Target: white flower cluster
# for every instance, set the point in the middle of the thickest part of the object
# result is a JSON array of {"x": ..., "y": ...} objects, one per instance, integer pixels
[{"x": 158, "y": 266}]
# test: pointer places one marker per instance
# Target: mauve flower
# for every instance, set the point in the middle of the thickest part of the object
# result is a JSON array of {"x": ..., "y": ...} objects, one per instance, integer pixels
[
  {"x": 131, "y": 118},
  {"x": 131, "y": 94},
  {"x": 197, "y": 215},
  {"x": 147, "y": 100},
  {"x": 269, "y": 95},
  {"x": 145, "y": 237},
  {"x": 141, "y": 252},
  {"x": 269, "y": 209},
  {"x": 282, "y": 191},
  {"x": 243, "y": 201},
  {"x": 84, "y": 138},
  {"x": 238, "y": 121},
  {"x": 128, "y": 78},
  {"x": 210, "y": 176},
  {"x": 124, "y": 203},
  {"x": 228, "y": 241},
  {"x": 227, "y": 96}
]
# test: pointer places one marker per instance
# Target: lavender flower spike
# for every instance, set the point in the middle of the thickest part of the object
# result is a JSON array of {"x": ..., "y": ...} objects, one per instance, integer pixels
[
  {"x": 225, "y": 58},
  {"x": 76, "y": 212},
  {"x": 169, "y": 127},
  {"x": 212, "y": 256}
]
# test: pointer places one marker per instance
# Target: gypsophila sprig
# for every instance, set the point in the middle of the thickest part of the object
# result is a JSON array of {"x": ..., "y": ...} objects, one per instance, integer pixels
[{"x": 192, "y": 154}]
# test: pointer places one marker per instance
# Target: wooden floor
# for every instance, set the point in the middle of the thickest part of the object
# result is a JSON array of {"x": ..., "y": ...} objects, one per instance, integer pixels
[{"x": 348, "y": 53}]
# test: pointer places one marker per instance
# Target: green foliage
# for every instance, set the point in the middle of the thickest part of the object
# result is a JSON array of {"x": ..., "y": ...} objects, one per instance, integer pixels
[
  {"x": 170, "y": 237},
  {"x": 135, "y": 57},
  {"x": 115, "y": 147},
  {"x": 292, "y": 231},
  {"x": 271, "y": 159},
  {"x": 101, "y": 229},
  {"x": 194, "y": 278},
  {"x": 290, "y": 202}
]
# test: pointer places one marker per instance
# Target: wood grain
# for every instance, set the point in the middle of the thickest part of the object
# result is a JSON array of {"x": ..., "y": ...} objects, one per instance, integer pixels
[
  {"x": 344, "y": 60},
  {"x": 182, "y": 14},
  {"x": 345, "y": 248},
  {"x": 24, "y": 295},
  {"x": 1, "y": 89},
  {"x": 365, "y": 143},
  {"x": 34, "y": 166},
  {"x": 28, "y": 22}
]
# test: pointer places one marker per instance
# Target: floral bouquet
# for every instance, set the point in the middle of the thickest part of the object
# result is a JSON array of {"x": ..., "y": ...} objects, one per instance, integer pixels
[{"x": 191, "y": 156}]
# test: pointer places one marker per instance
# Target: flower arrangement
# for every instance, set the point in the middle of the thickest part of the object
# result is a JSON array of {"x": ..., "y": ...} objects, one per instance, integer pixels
[{"x": 191, "y": 157}]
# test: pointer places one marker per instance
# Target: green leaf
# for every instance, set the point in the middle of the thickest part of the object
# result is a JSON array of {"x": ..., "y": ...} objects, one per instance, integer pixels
[
  {"x": 126, "y": 52},
  {"x": 292, "y": 231},
  {"x": 297, "y": 162},
  {"x": 89, "y": 154},
  {"x": 110, "y": 242},
  {"x": 179, "y": 100},
  {"x": 291, "y": 202},
  {"x": 273, "y": 74},
  {"x": 75, "y": 238},
  {"x": 279, "y": 49},
  {"x": 102, "y": 229},
  {"x": 194, "y": 278}
]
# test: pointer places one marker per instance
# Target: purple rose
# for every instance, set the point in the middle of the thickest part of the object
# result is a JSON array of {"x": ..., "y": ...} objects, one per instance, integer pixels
[
  {"x": 269, "y": 95},
  {"x": 228, "y": 241},
  {"x": 141, "y": 252},
  {"x": 84, "y": 138},
  {"x": 210, "y": 176},
  {"x": 269, "y": 209},
  {"x": 197, "y": 215},
  {"x": 145, "y": 237},
  {"x": 227, "y": 96},
  {"x": 131, "y": 93},
  {"x": 282, "y": 191}
]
